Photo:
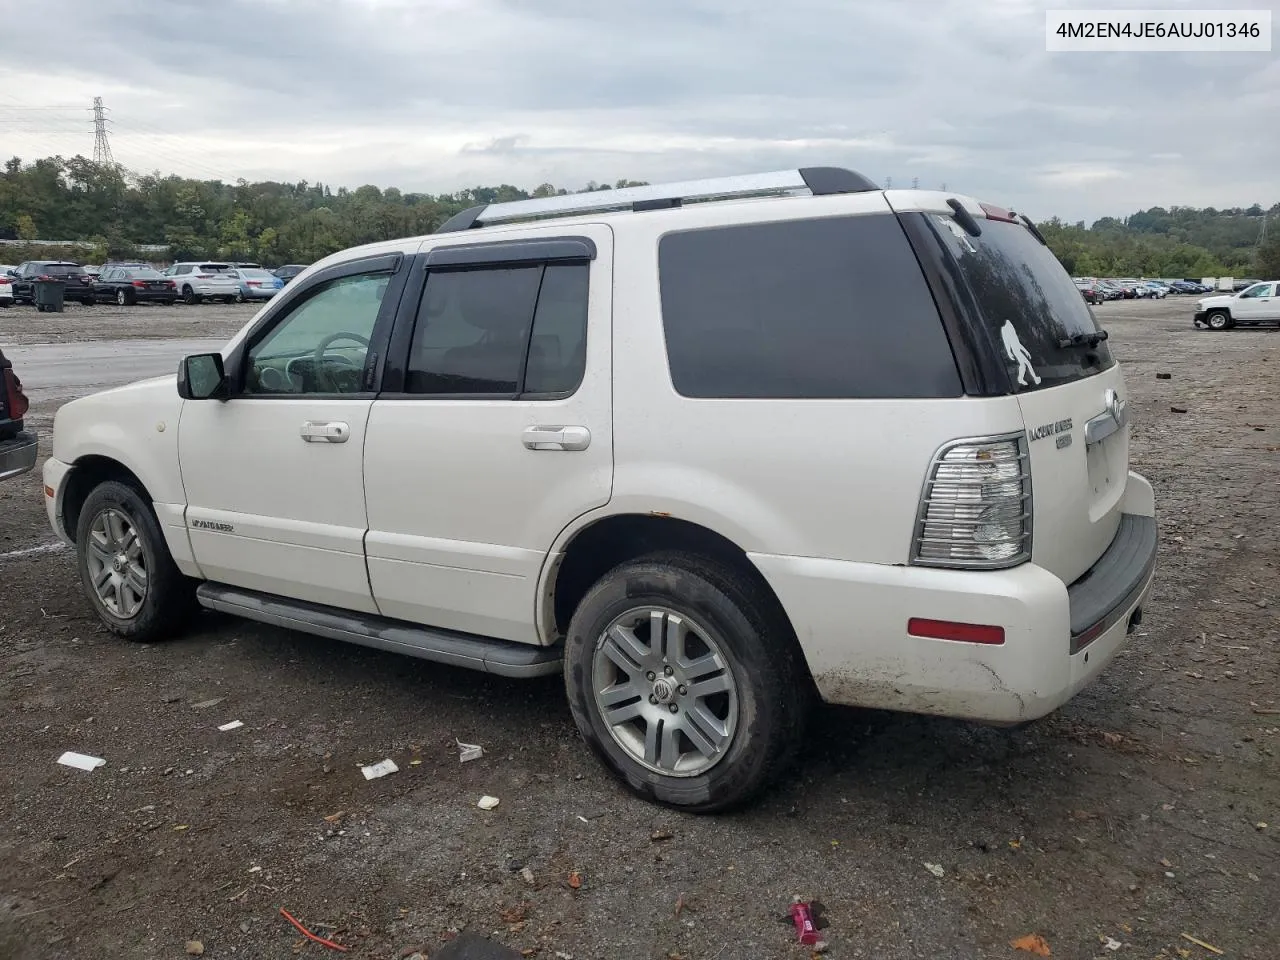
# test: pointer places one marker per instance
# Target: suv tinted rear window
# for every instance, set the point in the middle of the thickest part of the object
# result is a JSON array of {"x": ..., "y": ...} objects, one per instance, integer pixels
[
  {"x": 1017, "y": 280},
  {"x": 822, "y": 309}
]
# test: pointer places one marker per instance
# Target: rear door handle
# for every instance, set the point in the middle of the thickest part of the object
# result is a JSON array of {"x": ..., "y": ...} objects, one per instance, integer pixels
[
  {"x": 557, "y": 438},
  {"x": 331, "y": 431}
]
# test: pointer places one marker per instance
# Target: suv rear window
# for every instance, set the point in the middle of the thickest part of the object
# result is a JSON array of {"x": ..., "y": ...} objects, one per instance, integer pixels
[
  {"x": 1016, "y": 280},
  {"x": 810, "y": 309},
  {"x": 62, "y": 269}
]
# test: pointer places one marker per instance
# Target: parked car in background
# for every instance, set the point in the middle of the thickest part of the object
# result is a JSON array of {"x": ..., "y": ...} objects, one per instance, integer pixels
[
  {"x": 251, "y": 266},
  {"x": 1185, "y": 287},
  {"x": 93, "y": 271},
  {"x": 1090, "y": 290},
  {"x": 17, "y": 446},
  {"x": 1257, "y": 304},
  {"x": 204, "y": 280},
  {"x": 289, "y": 271},
  {"x": 1158, "y": 290},
  {"x": 27, "y": 274},
  {"x": 257, "y": 284},
  {"x": 6, "y": 287},
  {"x": 128, "y": 285}
]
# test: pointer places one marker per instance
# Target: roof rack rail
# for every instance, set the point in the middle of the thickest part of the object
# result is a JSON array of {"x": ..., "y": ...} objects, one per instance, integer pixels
[{"x": 813, "y": 181}]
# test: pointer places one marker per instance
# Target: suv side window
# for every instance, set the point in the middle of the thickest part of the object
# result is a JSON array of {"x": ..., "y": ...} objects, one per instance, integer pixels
[
  {"x": 321, "y": 343},
  {"x": 810, "y": 309},
  {"x": 500, "y": 332},
  {"x": 1261, "y": 290}
]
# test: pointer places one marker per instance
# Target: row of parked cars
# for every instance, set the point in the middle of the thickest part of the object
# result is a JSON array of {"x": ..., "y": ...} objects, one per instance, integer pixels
[
  {"x": 127, "y": 283},
  {"x": 1098, "y": 290}
]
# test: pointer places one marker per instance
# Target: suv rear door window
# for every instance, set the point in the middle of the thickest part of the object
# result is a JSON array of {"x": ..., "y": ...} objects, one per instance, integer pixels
[
  {"x": 821, "y": 309},
  {"x": 1027, "y": 300}
]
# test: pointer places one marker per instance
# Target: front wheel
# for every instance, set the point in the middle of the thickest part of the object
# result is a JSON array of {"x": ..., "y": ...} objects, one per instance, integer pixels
[
  {"x": 685, "y": 682},
  {"x": 1219, "y": 320},
  {"x": 125, "y": 566}
]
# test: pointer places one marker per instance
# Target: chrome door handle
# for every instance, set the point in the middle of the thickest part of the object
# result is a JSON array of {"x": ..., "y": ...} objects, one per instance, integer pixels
[
  {"x": 332, "y": 431},
  {"x": 557, "y": 438}
]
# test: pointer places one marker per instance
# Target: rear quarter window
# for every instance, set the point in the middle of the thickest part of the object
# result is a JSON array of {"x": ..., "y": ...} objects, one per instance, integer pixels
[{"x": 809, "y": 309}]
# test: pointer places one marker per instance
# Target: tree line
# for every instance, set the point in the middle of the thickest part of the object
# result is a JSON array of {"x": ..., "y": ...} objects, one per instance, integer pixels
[{"x": 273, "y": 223}]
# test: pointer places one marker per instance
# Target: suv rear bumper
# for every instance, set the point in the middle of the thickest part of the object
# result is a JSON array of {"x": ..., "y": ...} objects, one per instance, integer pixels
[
  {"x": 18, "y": 453},
  {"x": 851, "y": 619}
]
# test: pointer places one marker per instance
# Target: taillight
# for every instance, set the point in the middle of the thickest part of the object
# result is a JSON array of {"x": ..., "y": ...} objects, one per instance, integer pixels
[
  {"x": 139, "y": 283},
  {"x": 975, "y": 511},
  {"x": 16, "y": 399},
  {"x": 172, "y": 285},
  {"x": 254, "y": 283}
]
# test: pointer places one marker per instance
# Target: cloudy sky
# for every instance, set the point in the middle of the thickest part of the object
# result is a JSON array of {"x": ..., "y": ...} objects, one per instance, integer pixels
[{"x": 437, "y": 95}]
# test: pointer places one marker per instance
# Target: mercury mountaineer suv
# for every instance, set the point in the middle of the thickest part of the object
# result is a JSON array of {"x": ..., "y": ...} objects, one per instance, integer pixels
[{"x": 710, "y": 449}]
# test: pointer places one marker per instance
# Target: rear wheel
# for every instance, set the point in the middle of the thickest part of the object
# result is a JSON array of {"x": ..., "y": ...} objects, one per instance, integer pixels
[
  {"x": 684, "y": 682},
  {"x": 189, "y": 295},
  {"x": 125, "y": 566},
  {"x": 240, "y": 297},
  {"x": 123, "y": 298},
  {"x": 1219, "y": 320}
]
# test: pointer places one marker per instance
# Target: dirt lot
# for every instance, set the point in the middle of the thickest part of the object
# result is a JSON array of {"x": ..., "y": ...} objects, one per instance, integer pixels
[{"x": 1145, "y": 812}]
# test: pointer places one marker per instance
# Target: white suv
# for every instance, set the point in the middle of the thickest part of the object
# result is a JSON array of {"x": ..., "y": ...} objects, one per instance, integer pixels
[
  {"x": 204, "y": 280},
  {"x": 707, "y": 458}
]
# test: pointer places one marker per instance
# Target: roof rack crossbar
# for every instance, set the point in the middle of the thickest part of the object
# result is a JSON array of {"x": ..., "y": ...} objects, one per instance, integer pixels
[{"x": 815, "y": 181}]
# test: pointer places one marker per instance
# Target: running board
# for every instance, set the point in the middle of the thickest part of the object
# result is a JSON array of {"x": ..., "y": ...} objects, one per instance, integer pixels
[{"x": 503, "y": 657}]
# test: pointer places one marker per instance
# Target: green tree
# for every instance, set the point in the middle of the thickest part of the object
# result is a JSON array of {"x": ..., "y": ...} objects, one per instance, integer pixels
[{"x": 26, "y": 227}]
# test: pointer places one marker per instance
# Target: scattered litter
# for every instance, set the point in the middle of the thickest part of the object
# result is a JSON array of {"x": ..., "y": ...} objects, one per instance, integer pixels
[
  {"x": 526, "y": 875},
  {"x": 81, "y": 761},
  {"x": 335, "y": 817},
  {"x": 255, "y": 869},
  {"x": 233, "y": 725},
  {"x": 380, "y": 769},
  {"x": 468, "y": 751},
  {"x": 1164, "y": 376},
  {"x": 583, "y": 819},
  {"x": 935, "y": 869},
  {"x": 575, "y": 880},
  {"x": 679, "y": 904},
  {"x": 309, "y": 935},
  {"x": 1200, "y": 943},
  {"x": 1177, "y": 409},
  {"x": 195, "y": 948},
  {"x": 563, "y": 955},
  {"x": 808, "y": 919},
  {"x": 182, "y": 826},
  {"x": 1111, "y": 943},
  {"x": 1266, "y": 713},
  {"x": 487, "y": 802},
  {"x": 1032, "y": 943},
  {"x": 659, "y": 835},
  {"x": 1261, "y": 825},
  {"x": 416, "y": 762},
  {"x": 206, "y": 704}
]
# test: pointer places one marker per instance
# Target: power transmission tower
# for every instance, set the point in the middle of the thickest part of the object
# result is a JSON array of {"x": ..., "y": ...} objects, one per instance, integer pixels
[
  {"x": 888, "y": 183},
  {"x": 915, "y": 183},
  {"x": 101, "y": 147}
]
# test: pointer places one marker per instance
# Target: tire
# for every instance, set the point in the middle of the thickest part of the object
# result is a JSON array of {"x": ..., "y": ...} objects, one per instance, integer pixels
[
  {"x": 122, "y": 298},
  {"x": 240, "y": 297},
  {"x": 190, "y": 296},
  {"x": 1219, "y": 320},
  {"x": 751, "y": 651},
  {"x": 163, "y": 603},
  {"x": 168, "y": 302},
  {"x": 89, "y": 302}
]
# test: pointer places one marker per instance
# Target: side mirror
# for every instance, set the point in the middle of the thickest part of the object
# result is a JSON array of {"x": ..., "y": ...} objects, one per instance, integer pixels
[{"x": 201, "y": 377}]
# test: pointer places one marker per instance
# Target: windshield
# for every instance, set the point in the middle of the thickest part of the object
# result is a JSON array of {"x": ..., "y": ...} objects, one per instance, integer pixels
[
  {"x": 1028, "y": 302},
  {"x": 143, "y": 273}
]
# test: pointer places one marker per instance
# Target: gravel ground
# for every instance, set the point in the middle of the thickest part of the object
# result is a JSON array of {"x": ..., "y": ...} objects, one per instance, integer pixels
[{"x": 1143, "y": 813}]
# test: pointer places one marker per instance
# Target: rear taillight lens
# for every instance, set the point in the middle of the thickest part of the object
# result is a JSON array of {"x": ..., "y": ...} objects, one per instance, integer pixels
[
  {"x": 139, "y": 283},
  {"x": 16, "y": 400},
  {"x": 254, "y": 283},
  {"x": 975, "y": 511}
]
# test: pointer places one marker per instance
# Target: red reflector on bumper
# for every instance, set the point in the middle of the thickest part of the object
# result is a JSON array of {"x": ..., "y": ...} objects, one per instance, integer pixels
[{"x": 949, "y": 630}]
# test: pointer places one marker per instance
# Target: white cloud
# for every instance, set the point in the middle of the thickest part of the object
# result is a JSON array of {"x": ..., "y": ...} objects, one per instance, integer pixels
[{"x": 436, "y": 95}]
